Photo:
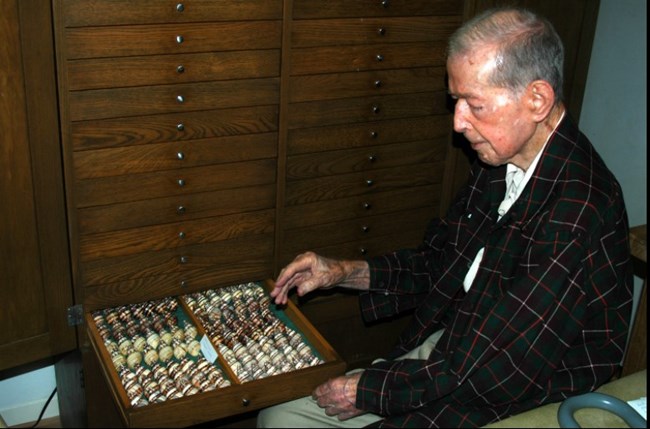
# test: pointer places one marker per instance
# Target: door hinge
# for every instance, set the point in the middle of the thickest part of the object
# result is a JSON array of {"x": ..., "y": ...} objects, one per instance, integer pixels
[{"x": 75, "y": 315}]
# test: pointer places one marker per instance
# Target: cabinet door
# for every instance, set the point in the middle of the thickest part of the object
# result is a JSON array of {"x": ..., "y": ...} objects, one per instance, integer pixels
[{"x": 34, "y": 266}]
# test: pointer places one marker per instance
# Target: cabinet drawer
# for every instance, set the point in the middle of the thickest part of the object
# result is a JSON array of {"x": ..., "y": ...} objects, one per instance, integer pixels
[
  {"x": 79, "y": 13},
  {"x": 119, "y": 72},
  {"x": 303, "y": 9},
  {"x": 361, "y": 31},
  {"x": 365, "y": 229},
  {"x": 182, "y": 260},
  {"x": 365, "y": 159},
  {"x": 366, "y": 109},
  {"x": 208, "y": 403},
  {"x": 160, "y": 99},
  {"x": 130, "y": 40},
  {"x": 180, "y": 182},
  {"x": 173, "y": 155},
  {"x": 156, "y": 211},
  {"x": 360, "y": 207},
  {"x": 345, "y": 185},
  {"x": 371, "y": 83},
  {"x": 174, "y": 235},
  {"x": 341, "y": 59},
  {"x": 367, "y": 134},
  {"x": 139, "y": 130}
]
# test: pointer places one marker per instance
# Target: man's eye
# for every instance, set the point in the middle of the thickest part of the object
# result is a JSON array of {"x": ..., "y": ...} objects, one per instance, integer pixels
[{"x": 475, "y": 108}]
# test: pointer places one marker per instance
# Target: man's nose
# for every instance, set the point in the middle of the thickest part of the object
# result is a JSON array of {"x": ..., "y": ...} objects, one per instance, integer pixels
[{"x": 460, "y": 115}]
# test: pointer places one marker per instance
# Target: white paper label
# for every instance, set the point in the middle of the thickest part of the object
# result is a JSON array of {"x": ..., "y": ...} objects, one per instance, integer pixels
[{"x": 209, "y": 353}]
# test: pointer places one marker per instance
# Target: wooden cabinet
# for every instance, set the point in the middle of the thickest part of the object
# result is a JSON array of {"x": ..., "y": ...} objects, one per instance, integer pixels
[{"x": 35, "y": 281}]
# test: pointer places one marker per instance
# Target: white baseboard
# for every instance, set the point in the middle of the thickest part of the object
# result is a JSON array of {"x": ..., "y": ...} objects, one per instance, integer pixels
[{"x": 28, "y": 412}]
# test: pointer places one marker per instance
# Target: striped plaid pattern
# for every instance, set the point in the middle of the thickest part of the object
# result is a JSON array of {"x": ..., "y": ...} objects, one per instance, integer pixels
[{"x": 547, "y": 315}]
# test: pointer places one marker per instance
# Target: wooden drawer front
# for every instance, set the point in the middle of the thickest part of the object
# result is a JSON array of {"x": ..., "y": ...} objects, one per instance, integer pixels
[
  {"x": 130, "y": 40},
  {"x": 367, "y": 134},
  {"x": 172, "y": 127},
  {"x": 371, "y": 83},
  {"x": 346, "y": 185},
  {"x": 303, "y": 9},
  {"x": 361, "y": 207},
  {"x": 340, "y": 32},
  {"x": 172, "y": 155},
  {"x": 236, "y": 398},
  {"x": 151, "y": 100},
  {"x": 79, "y": 13},
  {"x": 368, "y": 228},
  {"x": 365, "y": 159},
  {"x": 337, "y": 59},
  {"x": 155, "y": 211},
  {"x": 181, "y": 260},
  {"x": 367, "y": 109},
  {"x": 119, "y": 189},
  {"x": 100, "y": 73},
  {"x": 174, "y": 235}
]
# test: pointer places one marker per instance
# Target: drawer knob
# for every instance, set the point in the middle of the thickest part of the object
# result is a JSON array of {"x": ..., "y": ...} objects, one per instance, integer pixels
[
  {"x": 179, "y": 39},
  {"x": 180, "y": 68},
  {"x": 183, "y": 283},
  {"x": 181, "y": 235},
  {"x": 363, "y": 250},
  {"x": 385, "y": 3},
  {"x": 376, "y": 109},
  {"x": 180, "y": 7},
  {"x": 181, "y": 182},
  {"x": 378, "y": 83},
  {"x": 180, "y": 127},
  {"x": 183, "y": 259},
  {"x": 381, "y": 31},
  {"x": 374, "y": 134},
  {"x": 380, "y": 57},
  {"x": 367, "y": 206},
  {"x": 180, "y": 99},
  {"x": 245, "y": 402},
  {"x": 180, "y": 155},
  {"x": 370, "y": 182},
  {"x": 365, "y": 228},
  {"x": 180, "y": 209},
  {"x": 372, "y": 158}
]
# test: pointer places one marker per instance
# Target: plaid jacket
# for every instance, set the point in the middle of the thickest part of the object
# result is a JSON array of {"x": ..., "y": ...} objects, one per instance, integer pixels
[{"x": 547, "y": 315}]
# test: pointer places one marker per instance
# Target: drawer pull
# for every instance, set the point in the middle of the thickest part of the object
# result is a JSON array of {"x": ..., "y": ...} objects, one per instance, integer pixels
[
  {"x": 180, "y": 210},
  {"x": 181, "y": 182},
  {"x": 179, "y": 39},
  {"x": 380, "y": 57},
  {"x": 180, "y": 7},
  {"x": 181, "y": 235},
  {"x": 180, "y": 127},
  {"x": 374, "y": 134},
  {"x": 385, "y": 3},
  {"x": 370, "y": 182},
  {"x": 183, "y": 259},
  {"x": 376, "y": 109},
  {"x": 367, "y": 206},
  {"x": 378, "y": 83},
  {"x": 245, "y": 402},
  {"x": 372, "y": 158},
  {"x": 363, "y": 250},
  {"x": 365, "y": 228},
  {"x": 180, "y": 155},
  {"x": 381, "y": 31},
  {"x": 180, "y": 99},
  {"x": 180, "y": 68},
  {"x": 183, "y": 283}
]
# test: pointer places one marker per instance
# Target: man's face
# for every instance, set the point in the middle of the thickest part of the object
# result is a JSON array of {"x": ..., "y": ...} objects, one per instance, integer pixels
[{"x": 492, "y": 119}]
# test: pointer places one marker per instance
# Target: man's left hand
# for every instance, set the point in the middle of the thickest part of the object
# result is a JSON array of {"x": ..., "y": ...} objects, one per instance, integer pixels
[{"x": 338, "y": 396}]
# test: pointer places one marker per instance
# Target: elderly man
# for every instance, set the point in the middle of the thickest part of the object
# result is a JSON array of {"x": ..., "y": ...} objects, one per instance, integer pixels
[{"x": 522, "y": 292}]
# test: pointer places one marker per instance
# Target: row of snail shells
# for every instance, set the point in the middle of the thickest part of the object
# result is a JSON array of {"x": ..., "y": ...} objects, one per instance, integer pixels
[
  {"x": 250, "y": 337},
  {"x": 145, "y": 342}
]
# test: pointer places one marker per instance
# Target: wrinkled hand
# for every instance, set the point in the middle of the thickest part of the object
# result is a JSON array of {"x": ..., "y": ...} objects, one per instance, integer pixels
[
  {"x": 307, "y": 272},
  {"x": 338, "y": 396}
]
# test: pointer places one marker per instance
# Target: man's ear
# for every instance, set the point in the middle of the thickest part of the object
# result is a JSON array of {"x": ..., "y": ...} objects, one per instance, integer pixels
[{"x": 541, "y": 99}]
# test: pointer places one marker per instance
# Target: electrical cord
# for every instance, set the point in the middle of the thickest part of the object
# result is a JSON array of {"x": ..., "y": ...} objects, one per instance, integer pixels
[{"x": 40, "y": 416}]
